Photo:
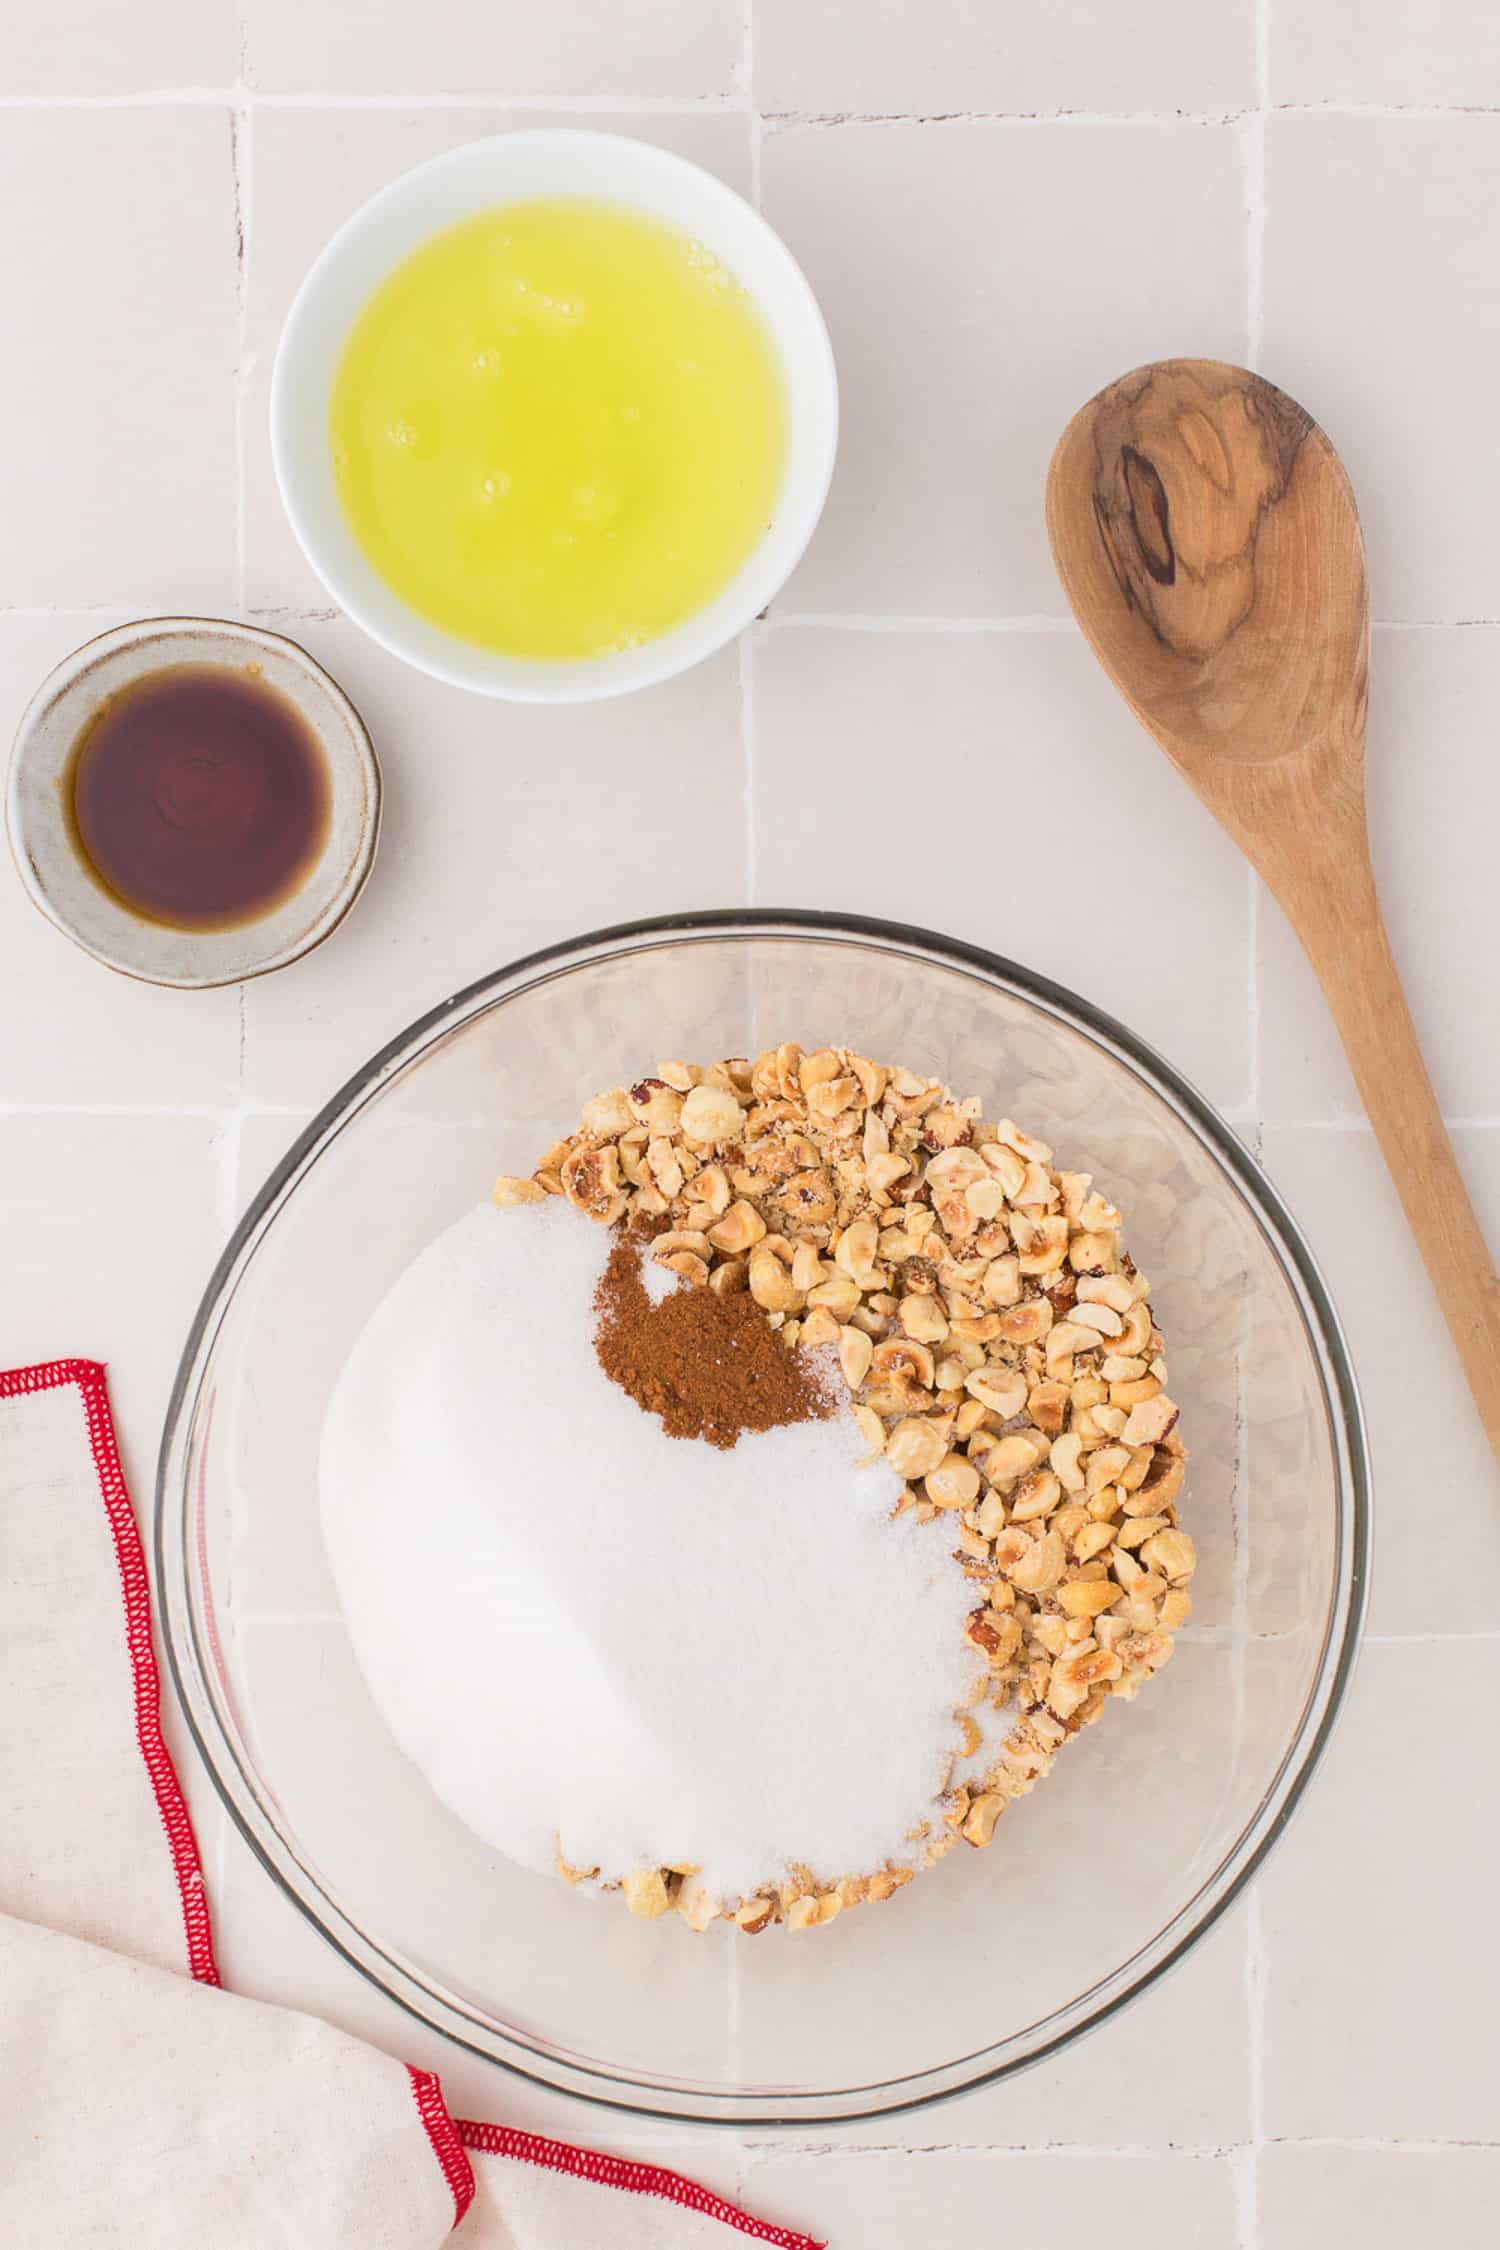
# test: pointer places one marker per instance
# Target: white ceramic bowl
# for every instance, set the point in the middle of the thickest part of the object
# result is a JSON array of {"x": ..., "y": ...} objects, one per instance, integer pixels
[
  {"x": 47, "y": 856},
  {"x": 517, "y": 167}
]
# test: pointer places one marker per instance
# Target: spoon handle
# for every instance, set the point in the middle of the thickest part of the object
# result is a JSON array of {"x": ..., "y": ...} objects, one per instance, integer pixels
[{"x": 1351, "y": 953}]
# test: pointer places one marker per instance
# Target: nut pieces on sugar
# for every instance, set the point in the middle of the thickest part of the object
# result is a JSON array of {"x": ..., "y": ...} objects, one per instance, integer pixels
[{"x": 999, "y": 1348}]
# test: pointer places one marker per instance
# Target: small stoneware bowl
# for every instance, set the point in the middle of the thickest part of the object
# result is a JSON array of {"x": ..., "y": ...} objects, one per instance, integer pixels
[
  {"x": 514, "y": 168},
  {"x": 67, "y": 891}
]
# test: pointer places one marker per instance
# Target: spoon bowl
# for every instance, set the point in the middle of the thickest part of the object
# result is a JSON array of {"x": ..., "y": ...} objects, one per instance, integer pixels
[
  {"x": 1207, "y": 538},
  {"x": 1206, "y": 535}
]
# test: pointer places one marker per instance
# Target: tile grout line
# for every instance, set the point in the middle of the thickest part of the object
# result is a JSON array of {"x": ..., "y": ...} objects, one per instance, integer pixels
[
  {"x": 230, "y": 1140},
  {"x": 1422, "y": 1640},
  {"x": 1255, "y": 311},
  {"x": 240, "y": 160},
  {"x": 745, "y": 74},
  {"x": 1404, "y": 2143},
  {"x": 222, "y": 1112},
  {"x": 1363, "y": 1125},
  {"x": 283, "y": 1617},
  {"x": 757, "y": 146},
  {"x": 244, "y": 190},
  {"x": 240, "y": 1109},
  {"x": 1192, "y": 2152},
  {"x": 1255, "y": 194},
  {"x": 874, "y": 621},
  {"x": 809, "y": 620},
  {"x": 1370, "y": 1640},
  {"x": 217, "y": 1113},
  {"x": 216, "y": 97},
  {"x": 735, "y": 104},
  {"x": 747, "y": 746},
  {"x": 1256, "y": 1962},
  {"x": 1253, "y": 1004},
  {"x": 1245, "y": 2163},
  {"x": 1242, "y": 2191},
  {"x": 1243, "y": 2160}
]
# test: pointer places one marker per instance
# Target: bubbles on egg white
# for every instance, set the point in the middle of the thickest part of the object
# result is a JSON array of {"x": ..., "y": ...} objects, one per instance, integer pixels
[
  {"x": 418, "y": 430},
  {"x": 596, "y": 501},
  {"x": 701, "y": 261}
]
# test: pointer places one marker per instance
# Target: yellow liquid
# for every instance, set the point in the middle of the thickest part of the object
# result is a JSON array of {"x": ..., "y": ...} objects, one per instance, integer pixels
[{"x": 559, "y": 428}]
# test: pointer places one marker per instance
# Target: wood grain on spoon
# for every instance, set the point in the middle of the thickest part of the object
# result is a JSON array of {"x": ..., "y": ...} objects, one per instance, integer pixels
[{"x": 1207, "y": 538}]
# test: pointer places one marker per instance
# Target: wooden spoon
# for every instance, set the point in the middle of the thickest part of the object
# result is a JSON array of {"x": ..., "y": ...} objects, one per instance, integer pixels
[{"x": 1206, "y": 535}]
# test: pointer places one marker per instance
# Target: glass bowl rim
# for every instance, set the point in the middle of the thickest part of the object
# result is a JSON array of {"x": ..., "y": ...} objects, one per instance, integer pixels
[{"x": 679, "y": 2101}]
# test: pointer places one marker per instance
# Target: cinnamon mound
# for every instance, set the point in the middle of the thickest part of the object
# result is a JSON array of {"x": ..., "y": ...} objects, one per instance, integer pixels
[{"x": 709, "y": 1366}]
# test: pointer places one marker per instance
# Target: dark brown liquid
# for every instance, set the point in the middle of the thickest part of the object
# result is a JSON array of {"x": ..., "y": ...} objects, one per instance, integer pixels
[{"x": 199, "y": 796}]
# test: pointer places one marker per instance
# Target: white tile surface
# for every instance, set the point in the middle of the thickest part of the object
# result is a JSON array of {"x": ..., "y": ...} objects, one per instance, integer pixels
[
  {"x": 1384, "y": 223},
  {"x": 97, "y": 47},
  {"x": 860, "y": 55},
  {"x": 109, "y": 1227},
  {"x": 890, "y": 2201},
  {"x": 1384, "y": 2199},
  {"x": 887, "y": 742},
  {"x": 1437, "y": 1488},
  {"x": 118, "y": 275},
  {"x": 1385, "y": 51},
  {"x": 1381, "y": 1981},
  {"x": 1196, "y": 2026},
  {"x": 981, "y": 279},
  {"x": 504, "y": 828},
  {"x": 1434, "y": 796},
  {"x": 681, "y": 47}
]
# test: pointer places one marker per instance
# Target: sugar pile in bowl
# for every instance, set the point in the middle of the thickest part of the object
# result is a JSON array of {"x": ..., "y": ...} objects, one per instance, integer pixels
[{"x": 614, "y": 1647}]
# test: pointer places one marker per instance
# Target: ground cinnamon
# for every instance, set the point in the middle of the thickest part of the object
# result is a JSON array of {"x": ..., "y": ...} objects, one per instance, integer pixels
[{"x": 710, "y": 1366}]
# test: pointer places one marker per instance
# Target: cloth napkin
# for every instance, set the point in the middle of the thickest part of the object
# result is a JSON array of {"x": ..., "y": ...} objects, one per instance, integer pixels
[{"x": 142, "y": 2107}]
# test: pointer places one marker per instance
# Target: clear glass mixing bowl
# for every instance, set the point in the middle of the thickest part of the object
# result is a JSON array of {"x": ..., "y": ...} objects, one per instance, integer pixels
[{"x": 1099, "y": 1880}]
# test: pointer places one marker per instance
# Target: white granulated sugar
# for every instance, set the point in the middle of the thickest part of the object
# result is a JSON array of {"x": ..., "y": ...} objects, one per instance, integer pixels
[
  {"x": 659, "y": 1281},
  {"x": 599, "y": 1640},
  {"x": 993, "y": 1727}
]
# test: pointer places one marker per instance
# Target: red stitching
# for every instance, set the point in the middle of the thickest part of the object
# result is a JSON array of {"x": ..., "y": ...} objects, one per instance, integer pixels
[
  {"x": 89, "y": 1376},
  {"x": 49, "y": 1375},
  {"x": 449, "y": 2137},
  {"x": 447, "y": 2146},
  {"x": 619, "y": 2172}
]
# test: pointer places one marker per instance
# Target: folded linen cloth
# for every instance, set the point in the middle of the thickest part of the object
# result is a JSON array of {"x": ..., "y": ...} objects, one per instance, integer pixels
[{"x": 142, "y": 2107}]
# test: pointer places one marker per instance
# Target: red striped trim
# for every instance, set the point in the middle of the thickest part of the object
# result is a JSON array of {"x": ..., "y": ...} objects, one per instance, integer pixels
[
  {"x": 447, "y": 2144},
  {"x": 619, "y": 2172},
  {"x": 450, "y": 2137},
  {"x": 170, "y": 1803},
  {"x": 49, "y": 1375}
]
